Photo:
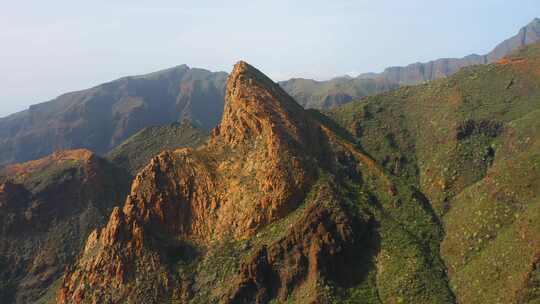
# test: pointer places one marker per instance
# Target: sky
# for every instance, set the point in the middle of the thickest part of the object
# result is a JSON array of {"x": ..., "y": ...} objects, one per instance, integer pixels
[{"x": 52, "y": 47}]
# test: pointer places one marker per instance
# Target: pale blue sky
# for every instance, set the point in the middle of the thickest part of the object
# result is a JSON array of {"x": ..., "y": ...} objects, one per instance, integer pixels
[{"x": 51, "y": 47}]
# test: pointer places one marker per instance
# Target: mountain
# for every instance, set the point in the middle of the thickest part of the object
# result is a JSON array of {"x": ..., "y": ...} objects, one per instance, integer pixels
[
  {"x": 338, "y": 91},
  {"x": 102, "y": 117},
  {"x": 276, "y": 206},
  {"x": 48, "y": 207},
  {"x": 527, "y": 35},
  {"x": 471, "y": 145},
  {"x": 426, "y": 194},
  {"x": 327, "y": 94},
  {"x": 139, "y": 149},
  {"x": 420, "y": 72}
]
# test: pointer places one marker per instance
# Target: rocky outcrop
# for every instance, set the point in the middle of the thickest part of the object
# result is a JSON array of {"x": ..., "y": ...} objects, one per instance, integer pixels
[
  {"x": 323, "y": 245},
  {"x": 253, "y": 171}
]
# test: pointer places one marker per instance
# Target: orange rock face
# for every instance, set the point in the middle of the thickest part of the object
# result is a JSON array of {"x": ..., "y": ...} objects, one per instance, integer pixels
[{"x": 320, "y": 245}]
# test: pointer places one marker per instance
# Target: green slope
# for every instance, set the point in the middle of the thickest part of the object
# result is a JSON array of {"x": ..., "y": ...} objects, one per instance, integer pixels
[
  {"x": 332, "y": 93},
  {"x": 471, "y": 144},
  {"x": 137, "y": 150}
]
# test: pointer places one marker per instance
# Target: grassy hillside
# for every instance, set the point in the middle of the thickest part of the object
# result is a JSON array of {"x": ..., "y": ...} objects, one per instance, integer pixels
[
  {"x": 137, "y": 150},
  {"x": 471, "y": 144},
  {"x": 329, "y": 94}
]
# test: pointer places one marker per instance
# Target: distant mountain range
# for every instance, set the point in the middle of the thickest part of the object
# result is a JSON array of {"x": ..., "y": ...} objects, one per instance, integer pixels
[
  {"x": 324, "y": 94},
  {"x": 101, "y": 118},
  {"x": 420, "y": 72}
]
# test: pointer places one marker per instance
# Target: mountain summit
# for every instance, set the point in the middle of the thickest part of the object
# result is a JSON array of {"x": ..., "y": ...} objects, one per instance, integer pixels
[
  {"x": 257, "y": 106},
  {"x": 276, "y": 204}
]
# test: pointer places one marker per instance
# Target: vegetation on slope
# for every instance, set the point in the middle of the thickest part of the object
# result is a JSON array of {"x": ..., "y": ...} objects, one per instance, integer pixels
[
  {"x": 136, "y": 151},
  {"x": 102, "y": 117},
  {"x": 47, "y": 208},
  {"x": 470, "y": 143}
]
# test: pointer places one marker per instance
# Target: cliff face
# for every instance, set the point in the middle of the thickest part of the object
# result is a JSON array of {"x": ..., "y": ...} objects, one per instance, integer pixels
[
  {"x": 102, "y": 117},
  {"x": 47, "y": 208},
  {"x": 529, "y": 34}
]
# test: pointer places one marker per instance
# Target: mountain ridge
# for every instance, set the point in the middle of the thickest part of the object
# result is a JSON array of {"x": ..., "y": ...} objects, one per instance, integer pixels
[
  {"x": 102, "y": 117},
  {"x": 443, "y": 67},
  {"x": 325, "y": 94}
]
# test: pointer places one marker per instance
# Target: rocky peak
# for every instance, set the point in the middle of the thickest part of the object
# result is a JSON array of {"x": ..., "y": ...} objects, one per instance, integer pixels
[
  {"x": 257, "y": 106},
  {"x": 535, "y": 23},
  {"x": 255, "y": 169},
  {"x": 531, "y": 33}
]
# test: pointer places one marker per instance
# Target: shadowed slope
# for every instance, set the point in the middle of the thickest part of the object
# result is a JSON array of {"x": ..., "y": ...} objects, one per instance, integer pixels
[
  {"x": 102, "y": 117},
  {"x": 47, "y": 208},
  {"x": 136, "y": 151}
]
